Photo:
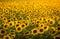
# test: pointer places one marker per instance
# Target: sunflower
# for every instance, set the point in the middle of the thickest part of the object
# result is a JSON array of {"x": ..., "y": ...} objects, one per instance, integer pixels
[
  {"x": 58, "y": 28},
  {"x": 6, "y": 10},
  {"x": 3, "y": 32},
  {"x": 41, "y": 31},
  {"x": 17, "y": 25},
  {"x": 57, "y": 37},
  {"x": 23, "y": 26},
  {"x": 38, "y": 21},
  {"x": 52, "y": 28},
  {"x": 11, "y": 23},
  {"x": 27, "y": 33},
  {"x": 46, "y": 28},
  {"x": 51, "y": 21},
  {"x": 6, "y": 26},
  {"x": 12, "y": 14},
  {"x": 1, "y": 14},
  {"x": 33, "y": 22},
  {"x": 35, "y": 31},
  {"x": 58, "y": 24},
  {"x": 44, "y": 18},
  {"x": 41, "y": 19},
  {"x": 41, "y": 25},
  {"x": 37, "y": 25},
  {"x": 4, "y": 19},
  {"x": 6, "y": 37},
  {"x": 27, "y": 22},
  {"x": 1, "y": 17},
  {"x": 18, "y": 29},
  {"x": 9, "y": 20},
  {"x": 53, "y": 33}
]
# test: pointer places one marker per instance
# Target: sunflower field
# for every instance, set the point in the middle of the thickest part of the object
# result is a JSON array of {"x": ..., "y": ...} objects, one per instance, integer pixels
[{"x": 34, "y": 19}]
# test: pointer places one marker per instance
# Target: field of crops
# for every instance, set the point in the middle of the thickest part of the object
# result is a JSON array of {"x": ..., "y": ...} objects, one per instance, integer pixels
[{"x": 30, "y": 19}]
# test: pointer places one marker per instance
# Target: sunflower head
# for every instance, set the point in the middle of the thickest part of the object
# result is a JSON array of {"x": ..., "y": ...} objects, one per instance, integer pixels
[
  {"x": 6, "y": 37},
  {"x": 35, "y": 31},
  {"x": 3, "y": 32},
  {"x": 18, "y": 29},
  {"x": 41, "y": 31}
]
